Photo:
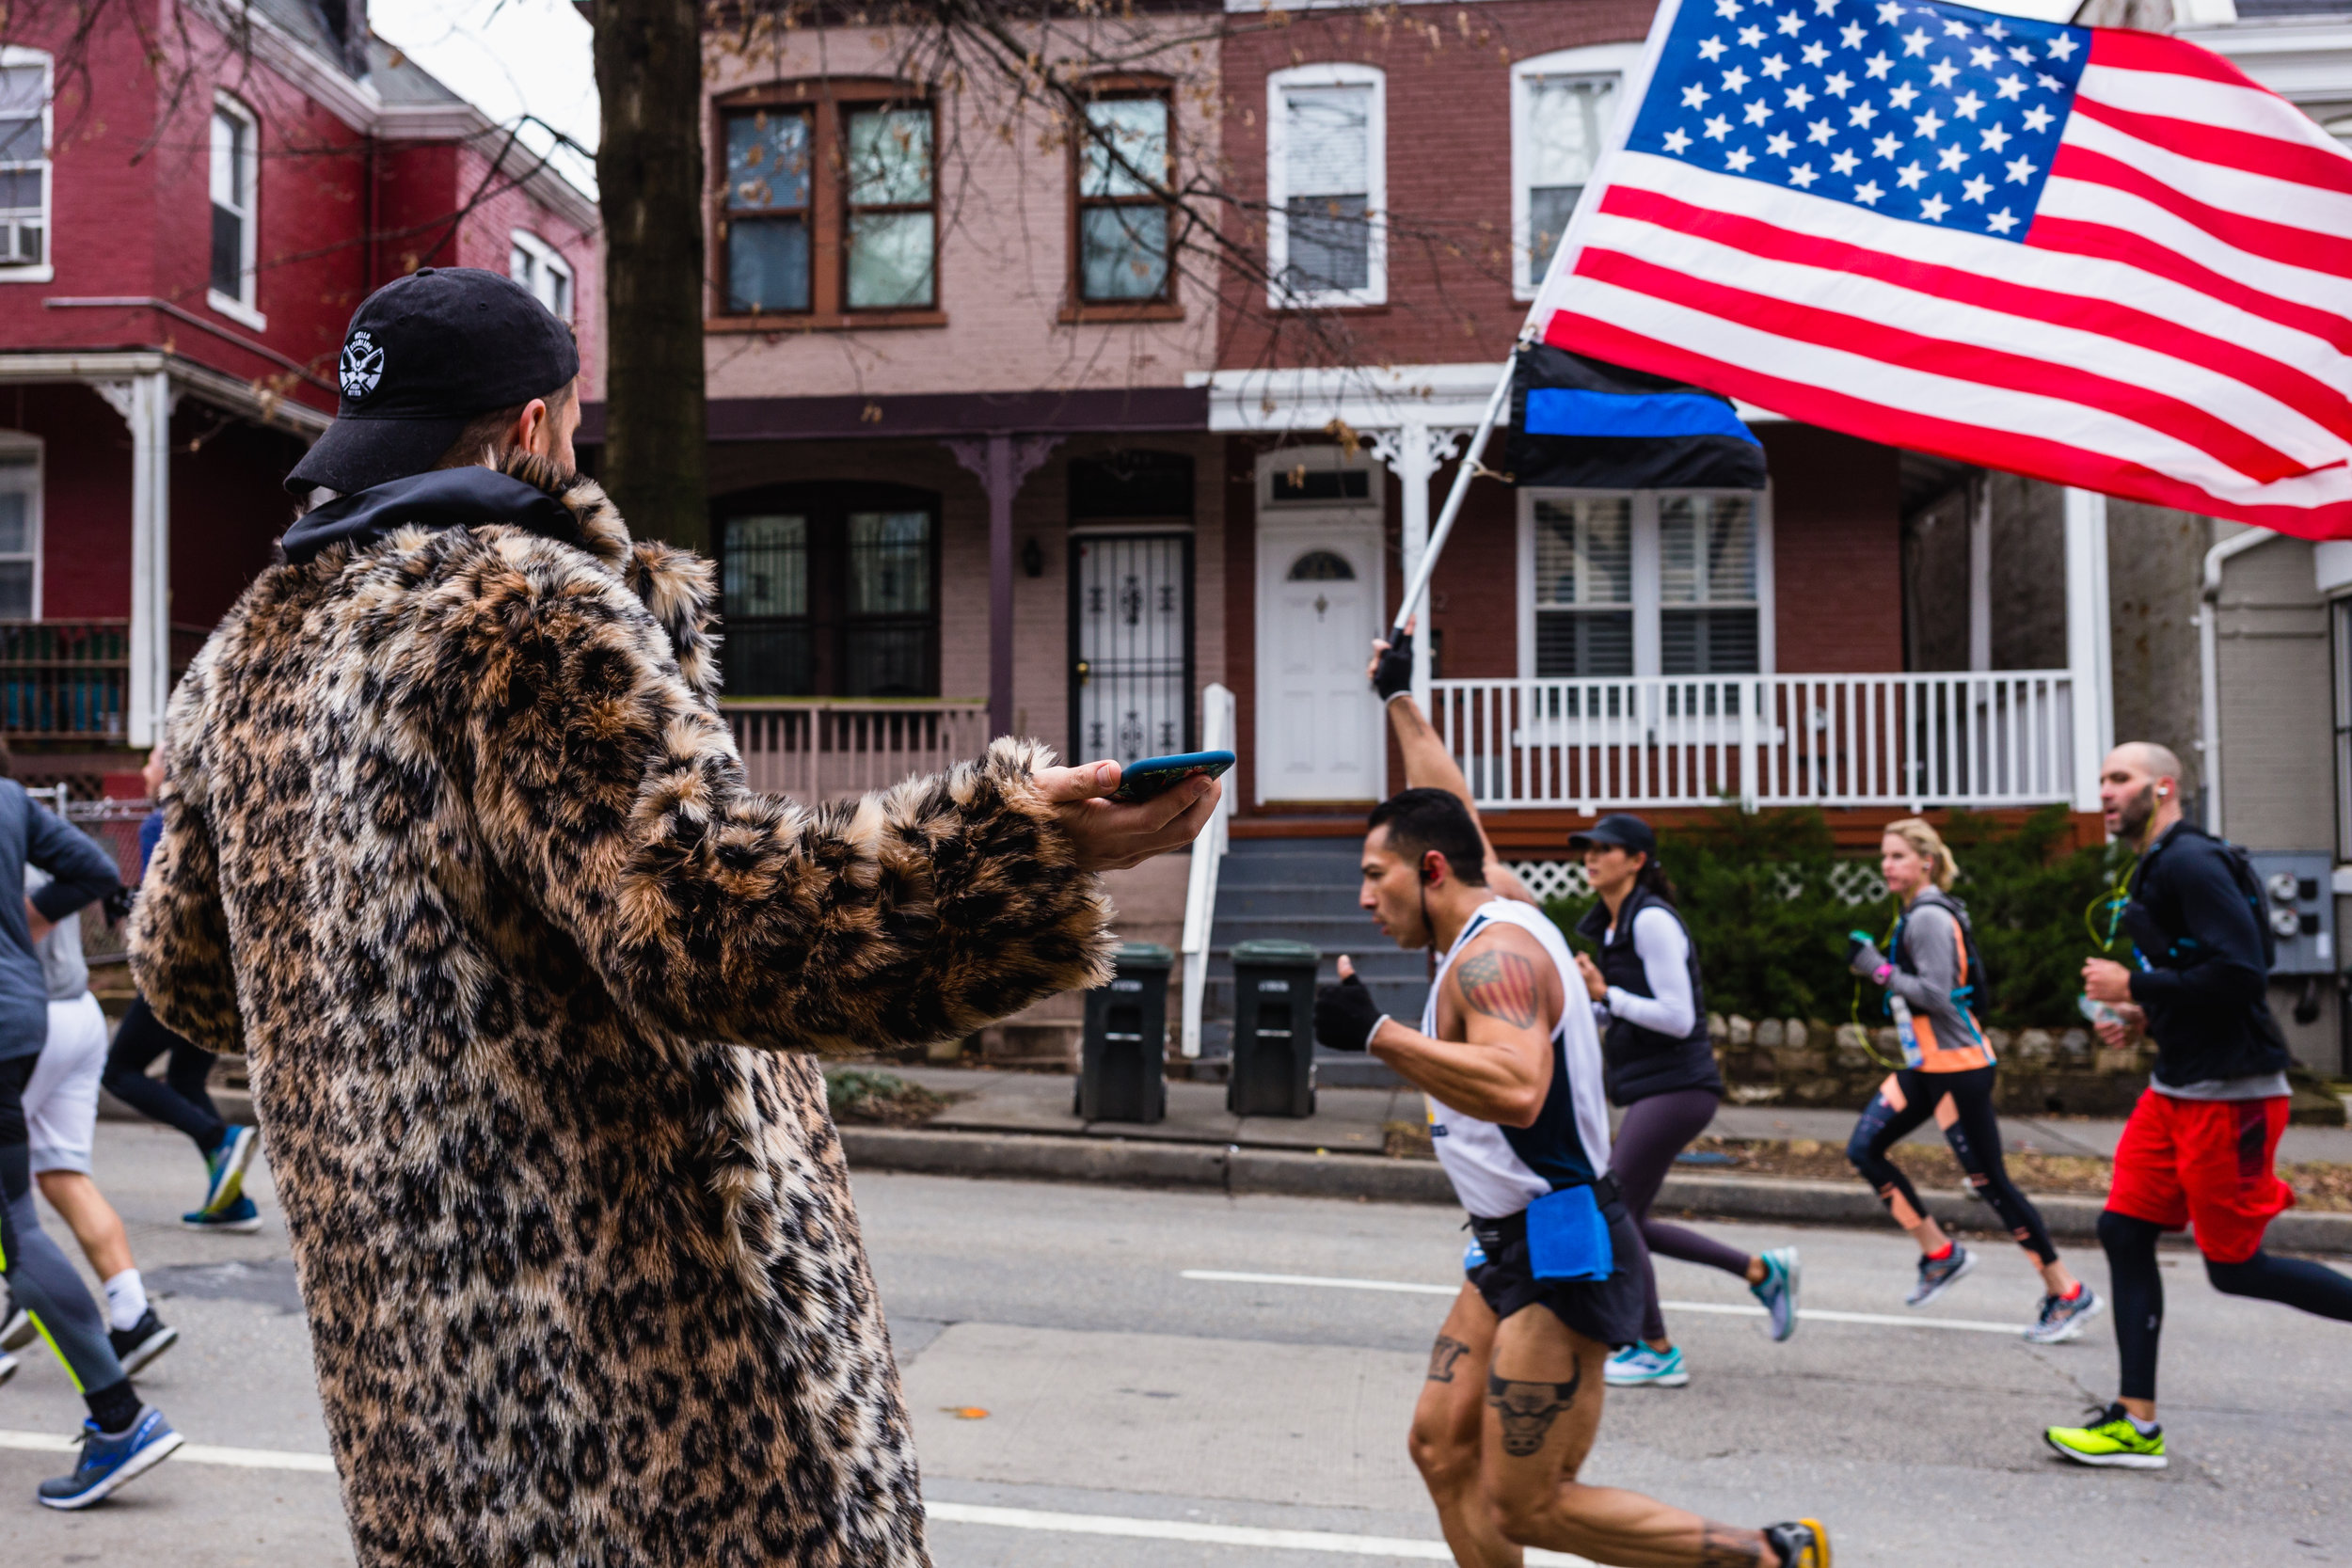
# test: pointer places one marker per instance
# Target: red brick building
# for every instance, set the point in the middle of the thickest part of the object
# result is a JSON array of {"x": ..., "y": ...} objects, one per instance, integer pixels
[{"x": 184, "y": 245}]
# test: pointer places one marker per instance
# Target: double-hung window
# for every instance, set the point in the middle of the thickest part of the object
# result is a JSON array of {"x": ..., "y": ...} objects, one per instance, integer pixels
[
  {"x": 1123, "y": 228},
  {"x": 24, "y": 166},
  {"x": 829, "y": 206},
  {"x": 1327, "y": 185},
  {"x": 2340, "y": 624},
  {"x": 235, "y": 191},
  {"x": 766, "y": 227},
  {"x": 20, "y": 527},
  {"x": 1561, "y": 108},
  {"x": 1645, "y": 583},
  {"x": 540, "y": 268}
]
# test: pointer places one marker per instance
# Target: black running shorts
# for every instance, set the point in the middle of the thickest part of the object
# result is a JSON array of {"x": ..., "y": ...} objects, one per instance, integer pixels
[{"x": 1609, "y": 1310}]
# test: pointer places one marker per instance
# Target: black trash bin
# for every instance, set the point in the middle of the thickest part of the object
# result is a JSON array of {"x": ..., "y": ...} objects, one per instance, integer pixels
[
  {"x": 1274, "y": 1030},
  {"x": 1121, "y": 1071}
]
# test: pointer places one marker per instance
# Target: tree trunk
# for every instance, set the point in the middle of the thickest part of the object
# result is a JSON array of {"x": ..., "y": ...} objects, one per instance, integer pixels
[{"x": 649, "y": 173}]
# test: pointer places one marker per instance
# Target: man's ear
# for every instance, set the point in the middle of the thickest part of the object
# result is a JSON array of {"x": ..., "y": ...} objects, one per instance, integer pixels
[{"x": 1433, "y": 867}]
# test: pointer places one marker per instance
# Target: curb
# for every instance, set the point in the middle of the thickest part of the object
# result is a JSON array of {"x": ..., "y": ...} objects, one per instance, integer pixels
[{"x": 1032, "y": 1157}]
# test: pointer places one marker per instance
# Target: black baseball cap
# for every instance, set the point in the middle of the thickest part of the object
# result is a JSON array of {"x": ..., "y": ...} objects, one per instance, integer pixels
[
  {"x": 1619, "y": 830},
  {"x": 425, "y": 354}
]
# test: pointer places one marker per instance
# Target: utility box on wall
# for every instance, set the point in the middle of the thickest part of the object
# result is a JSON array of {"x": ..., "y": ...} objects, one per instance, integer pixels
[{"x": 2300, "y": 906}]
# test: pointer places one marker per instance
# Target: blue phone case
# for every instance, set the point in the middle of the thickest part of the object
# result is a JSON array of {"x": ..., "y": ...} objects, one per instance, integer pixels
[
  {"x": 1567, "y": 1237},
  {"x": 1145, "y": 777}
]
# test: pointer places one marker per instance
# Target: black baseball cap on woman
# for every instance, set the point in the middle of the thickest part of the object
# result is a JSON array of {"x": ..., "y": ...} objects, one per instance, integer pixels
[
  {"x": 1619, "y": 830},
  {"x": 424, "y": 355}
]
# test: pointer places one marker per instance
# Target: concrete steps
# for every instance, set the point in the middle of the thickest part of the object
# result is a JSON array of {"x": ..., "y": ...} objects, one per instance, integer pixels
[{"x": 1304, "y": 890}]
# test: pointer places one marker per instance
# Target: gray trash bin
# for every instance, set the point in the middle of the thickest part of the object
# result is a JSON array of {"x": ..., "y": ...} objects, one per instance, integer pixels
[
  {"x": 1122, "y": 1070},
  {"x": 1274, "y": 1030}
]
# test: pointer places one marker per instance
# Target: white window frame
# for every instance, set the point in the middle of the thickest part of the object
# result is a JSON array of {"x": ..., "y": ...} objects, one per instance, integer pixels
[
  {"x": 1334, "y": 73},
  {"x": 544, "y": 255},
  {"x": 17, "y": 441},
  {"x": 245, "y": 305},
  {"x": 45, "y": 269},
  {"x": 1648, "y": 658},
  {"x": 1613, "y": 61}
]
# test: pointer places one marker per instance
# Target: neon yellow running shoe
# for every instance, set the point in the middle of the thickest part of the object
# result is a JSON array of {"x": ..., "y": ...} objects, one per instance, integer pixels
[
  {"x": 2112, "y": 1441},
  {"x": 1801, "y": 1543}
]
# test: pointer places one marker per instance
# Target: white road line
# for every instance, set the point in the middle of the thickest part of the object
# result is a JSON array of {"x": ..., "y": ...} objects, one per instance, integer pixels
[
  {"x": 1885, "y": 1320},
  {"x": 1218, "y": 1535},
  {"x": 189, "y": 1453}
]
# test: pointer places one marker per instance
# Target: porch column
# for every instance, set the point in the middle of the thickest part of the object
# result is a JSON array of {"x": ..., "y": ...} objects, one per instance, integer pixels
[
  {"x": 1001, "y": 462},
  {"x": 145, "y": 402},
  {"x": 1412, "y": 451},
  {"x": 2089, "y": 648}
]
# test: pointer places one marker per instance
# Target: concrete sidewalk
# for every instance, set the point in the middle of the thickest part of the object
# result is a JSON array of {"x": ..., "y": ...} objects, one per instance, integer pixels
[
  {"x": 1023, "y": 1126},
  {"x": 1350, "y": 1120}
]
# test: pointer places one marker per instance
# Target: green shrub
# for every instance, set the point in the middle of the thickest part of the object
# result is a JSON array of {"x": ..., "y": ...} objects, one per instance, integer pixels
[{"x": 1757, "y": 892}]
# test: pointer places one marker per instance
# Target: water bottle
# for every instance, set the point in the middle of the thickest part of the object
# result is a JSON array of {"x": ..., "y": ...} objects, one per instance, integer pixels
[{"x": 1904, "y": 1029}]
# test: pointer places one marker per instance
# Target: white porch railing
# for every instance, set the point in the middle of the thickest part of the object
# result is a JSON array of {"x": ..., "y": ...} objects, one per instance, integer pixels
[
  {"x": 2003, "y": 739},
  {"x": 816, "y": 747},
  {"x": 1208, "y": 853}
]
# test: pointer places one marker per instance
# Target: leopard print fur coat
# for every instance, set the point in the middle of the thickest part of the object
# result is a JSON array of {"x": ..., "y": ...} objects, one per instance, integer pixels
[{"x": 457, "y": 849}]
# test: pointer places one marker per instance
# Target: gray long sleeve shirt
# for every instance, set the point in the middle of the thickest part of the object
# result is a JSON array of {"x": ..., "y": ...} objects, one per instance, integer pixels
[
  {"x": 82, "y": 874},
  {"x": 1930, "y": 943}
]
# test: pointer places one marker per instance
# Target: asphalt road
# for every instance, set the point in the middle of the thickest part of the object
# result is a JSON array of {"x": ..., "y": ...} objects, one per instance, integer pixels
[{"x": 1144, "y": 1412}]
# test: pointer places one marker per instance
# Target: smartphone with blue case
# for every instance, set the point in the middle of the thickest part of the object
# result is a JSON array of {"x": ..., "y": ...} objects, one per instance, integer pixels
[{"x": 1150, "y": 776}]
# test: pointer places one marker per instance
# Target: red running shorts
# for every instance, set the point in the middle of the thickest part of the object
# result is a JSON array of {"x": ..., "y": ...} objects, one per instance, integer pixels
[{"x": 2205, "y": 1162}]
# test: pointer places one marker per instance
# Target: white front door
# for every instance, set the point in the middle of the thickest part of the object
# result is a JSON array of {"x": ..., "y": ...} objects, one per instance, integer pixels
[{"x": 1319, "y": 602}]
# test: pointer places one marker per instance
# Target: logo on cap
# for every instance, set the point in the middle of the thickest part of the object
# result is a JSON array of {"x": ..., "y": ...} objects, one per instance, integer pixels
[{"x": 363, "y": 365}]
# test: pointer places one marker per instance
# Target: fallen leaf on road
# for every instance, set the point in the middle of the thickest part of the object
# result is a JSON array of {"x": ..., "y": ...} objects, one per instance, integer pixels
[{"x": 965, "y": 1412}]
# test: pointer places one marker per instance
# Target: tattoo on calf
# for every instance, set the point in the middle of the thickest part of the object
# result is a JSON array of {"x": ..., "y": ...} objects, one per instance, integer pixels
[
  {"x": 1721, "y": 1546},
  {"x": 1442, "y": 1356},
  {"x": 1500, "y": 985},
  {"x": 1528, "y": 1409}
]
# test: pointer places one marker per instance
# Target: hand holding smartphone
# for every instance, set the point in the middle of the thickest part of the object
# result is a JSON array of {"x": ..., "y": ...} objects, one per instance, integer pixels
[{"x": 1149, "y": 777}]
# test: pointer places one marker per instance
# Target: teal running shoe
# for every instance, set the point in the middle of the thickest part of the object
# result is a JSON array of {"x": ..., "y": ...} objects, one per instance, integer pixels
[
  {"x": 240, "y": 1217},
  {"x": 1637, "y": 1366},
  {"x": 1778, "y": 1292},
  {"x": 225, "y": 1167}
]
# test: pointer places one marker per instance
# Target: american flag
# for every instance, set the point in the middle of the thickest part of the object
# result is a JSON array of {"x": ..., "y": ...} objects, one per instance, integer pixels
[{"x": 2102, "y": 257}]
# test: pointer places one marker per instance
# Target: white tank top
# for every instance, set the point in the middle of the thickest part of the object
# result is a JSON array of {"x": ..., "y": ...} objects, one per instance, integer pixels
[{"x": 1497, "y": 1170}]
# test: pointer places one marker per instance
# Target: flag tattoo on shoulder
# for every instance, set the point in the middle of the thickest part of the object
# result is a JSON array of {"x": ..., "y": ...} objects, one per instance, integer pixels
[{"x": 1500, "y": 985}]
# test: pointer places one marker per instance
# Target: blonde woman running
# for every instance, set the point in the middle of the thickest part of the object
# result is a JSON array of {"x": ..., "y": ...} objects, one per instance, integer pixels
[{"x": 1934, "y": 973}]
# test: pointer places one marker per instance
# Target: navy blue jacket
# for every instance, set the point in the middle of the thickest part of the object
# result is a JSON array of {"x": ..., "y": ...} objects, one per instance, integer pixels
[
  {"x": 81, "y": 873},
  {"x": 2206, "y": 989}
]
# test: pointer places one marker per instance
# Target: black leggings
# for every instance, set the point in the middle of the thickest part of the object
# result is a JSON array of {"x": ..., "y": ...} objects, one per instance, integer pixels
[
  {"x": 180, "y": 1100},
  {"x": 2138, "y": 1290},
  {"x": 1975, "y": 1139},
  {"x": 1655, "y": 1130}
]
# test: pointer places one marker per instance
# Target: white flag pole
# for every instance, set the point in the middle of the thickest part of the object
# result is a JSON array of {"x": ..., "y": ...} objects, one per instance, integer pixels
[{"x": 1570, "y": 242}]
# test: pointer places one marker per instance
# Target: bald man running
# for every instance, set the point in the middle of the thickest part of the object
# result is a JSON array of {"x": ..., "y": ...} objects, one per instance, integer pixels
[{"x": 2201, "y": 1144}]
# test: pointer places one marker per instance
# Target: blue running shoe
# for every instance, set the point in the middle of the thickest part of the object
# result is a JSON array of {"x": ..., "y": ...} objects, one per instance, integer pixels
[
  {"x": 110, "y": 1462},
  {"x": 1637, "y": 1366},
  {"x": 2062, "y": 1319},
  {"x": 225, "y": 1167},
  {"x": 240, "y": 1217},
  {"x": 1939, "y": 1275},
  {"x": 8, "y": 1366},
  {"x": 1778, "y": 1292}
]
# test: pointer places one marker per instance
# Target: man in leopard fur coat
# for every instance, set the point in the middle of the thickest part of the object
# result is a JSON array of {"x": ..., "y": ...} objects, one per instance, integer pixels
[{"x": 457, "y": 850}]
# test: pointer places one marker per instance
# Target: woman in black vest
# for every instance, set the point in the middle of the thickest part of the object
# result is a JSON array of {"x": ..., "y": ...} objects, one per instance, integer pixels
[{"x": 1660, "y": 1065}]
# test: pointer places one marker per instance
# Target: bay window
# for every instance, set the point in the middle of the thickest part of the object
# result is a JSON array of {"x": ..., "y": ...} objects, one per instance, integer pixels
[
  {"x": 1327, "y": 185},
  {"x": 1645, "y": 583}
]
